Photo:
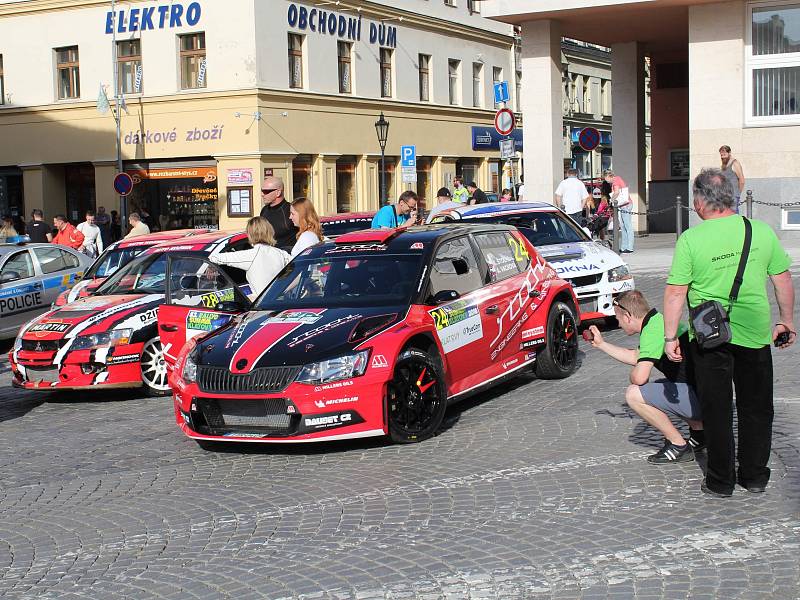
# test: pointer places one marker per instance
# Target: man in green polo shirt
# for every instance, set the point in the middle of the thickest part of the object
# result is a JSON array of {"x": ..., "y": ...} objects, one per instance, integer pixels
[
  {"x": 654, "y": 401},
  {"x": 703, "y": 267}
]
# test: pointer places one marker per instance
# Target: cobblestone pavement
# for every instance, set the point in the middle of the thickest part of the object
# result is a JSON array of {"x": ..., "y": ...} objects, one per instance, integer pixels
[{"x": 538, "y": 489}]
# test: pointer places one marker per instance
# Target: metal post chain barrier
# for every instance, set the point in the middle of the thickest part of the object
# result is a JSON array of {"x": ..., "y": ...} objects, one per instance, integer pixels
[
  {"x": 617, "y": 228},
  {"x": 678, "y": 217}
]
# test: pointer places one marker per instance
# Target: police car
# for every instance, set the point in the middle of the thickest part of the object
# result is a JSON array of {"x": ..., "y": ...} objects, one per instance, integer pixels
[
  {"x": 597, "y": 273},
  {"x": 31, "y": 277}
]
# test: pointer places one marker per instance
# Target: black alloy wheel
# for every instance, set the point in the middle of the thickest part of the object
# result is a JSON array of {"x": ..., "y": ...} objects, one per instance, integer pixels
[
  {"x": 560, "y": 356},
  {"x": 417, "y": 397}
]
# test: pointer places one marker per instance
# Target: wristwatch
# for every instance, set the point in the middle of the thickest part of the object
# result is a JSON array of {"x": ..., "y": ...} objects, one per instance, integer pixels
[{"x": 670, "y": 339}]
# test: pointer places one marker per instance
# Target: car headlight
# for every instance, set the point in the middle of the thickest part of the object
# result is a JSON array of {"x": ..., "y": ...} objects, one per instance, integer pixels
[
  {"x": 334, "y": 369},
  {"x": 106, "y": 339},
  {"x": 189, "y": 372},
  {"x": 619, "y": 273}
]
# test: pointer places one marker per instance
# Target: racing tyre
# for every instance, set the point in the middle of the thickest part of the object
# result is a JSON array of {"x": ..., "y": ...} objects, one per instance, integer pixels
[
  {"x": 560, "y": 355},
  {"x": 417, "y": 397},
  {"x": 154, "y": 369}
]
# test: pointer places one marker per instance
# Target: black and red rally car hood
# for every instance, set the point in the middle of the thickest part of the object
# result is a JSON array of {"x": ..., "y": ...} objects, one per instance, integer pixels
[{"x": 294, "y": 336}]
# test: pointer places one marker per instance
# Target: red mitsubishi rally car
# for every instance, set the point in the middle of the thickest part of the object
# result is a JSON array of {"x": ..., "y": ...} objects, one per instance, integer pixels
[
  {"x": 370, "y": 335},
  {"x": 110, "y": 338}
]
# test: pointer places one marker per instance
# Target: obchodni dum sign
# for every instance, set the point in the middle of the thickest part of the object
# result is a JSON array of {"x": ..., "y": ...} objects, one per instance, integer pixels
[{"x": 326, "y": 22}]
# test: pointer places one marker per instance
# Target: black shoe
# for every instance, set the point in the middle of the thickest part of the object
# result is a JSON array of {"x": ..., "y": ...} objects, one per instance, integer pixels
[
  {"x": 754, "y": 488},
  {"x": 696, "y": 440},
  {"x": 671, "y": 453},
  {"x": 714, "y": 493}
]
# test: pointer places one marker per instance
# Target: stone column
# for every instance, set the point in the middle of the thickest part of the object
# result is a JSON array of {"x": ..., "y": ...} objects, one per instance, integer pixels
[
  {"x": 104, "y": 173},
  {"x": 541, "y": 103},
  {"x": 324, "y": 186},
  {"x": 44, "y": 188},
  {"x": 628, "y": 130},
  {"x": 367, "y": 170}
]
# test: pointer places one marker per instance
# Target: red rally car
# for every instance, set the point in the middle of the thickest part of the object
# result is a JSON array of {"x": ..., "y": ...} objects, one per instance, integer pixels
[
  {"x": 370, "y": 335},
  {"x": 110, "y": 339}
]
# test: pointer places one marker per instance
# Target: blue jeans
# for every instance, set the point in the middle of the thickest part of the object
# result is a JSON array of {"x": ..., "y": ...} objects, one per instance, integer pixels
[{"x": 626, "y": 234}]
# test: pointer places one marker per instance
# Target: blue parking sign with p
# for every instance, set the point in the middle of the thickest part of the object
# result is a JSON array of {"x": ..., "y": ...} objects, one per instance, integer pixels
[
  {"x": 501, "y": 92},
  {"x": 408, "y": 156}
]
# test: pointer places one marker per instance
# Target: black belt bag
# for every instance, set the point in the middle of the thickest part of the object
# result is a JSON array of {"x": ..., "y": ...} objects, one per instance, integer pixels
[{"x": 710, "y": 320}]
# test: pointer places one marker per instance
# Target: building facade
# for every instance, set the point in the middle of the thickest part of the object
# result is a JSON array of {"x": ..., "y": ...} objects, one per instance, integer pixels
[
  {"x": 218, "y": 94},
  {"x": 723, "y": 73}
]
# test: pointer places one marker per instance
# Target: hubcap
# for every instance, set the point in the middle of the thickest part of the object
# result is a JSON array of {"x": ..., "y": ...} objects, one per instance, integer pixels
[
  {"x": 154, "y": 368},
  {"x": 414, "y": 398},
  {"x": 564, "y": 341}
]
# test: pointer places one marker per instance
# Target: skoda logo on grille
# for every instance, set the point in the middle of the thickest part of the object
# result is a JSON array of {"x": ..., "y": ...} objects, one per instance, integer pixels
[{"x": 241, "y": 363}]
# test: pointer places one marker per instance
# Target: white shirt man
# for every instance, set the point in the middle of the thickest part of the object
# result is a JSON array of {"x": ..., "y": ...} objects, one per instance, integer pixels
[
  {"x": 92, "y": 238},
  {"x": 572, "y": 195}
]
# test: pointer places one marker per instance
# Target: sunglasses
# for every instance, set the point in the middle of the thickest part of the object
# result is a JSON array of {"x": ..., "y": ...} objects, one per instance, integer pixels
[
  {"x": 265, "y": 191},
  {"x": 615, "y": 302},
  {"x": 411, "y": 206}
]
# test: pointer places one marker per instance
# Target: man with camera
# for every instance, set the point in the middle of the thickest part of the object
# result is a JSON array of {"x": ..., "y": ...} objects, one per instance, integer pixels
[
  {"x": 400, "y": 215},
  {"x": 722, "y": 265},
  {"x": 654, "y": 401}
]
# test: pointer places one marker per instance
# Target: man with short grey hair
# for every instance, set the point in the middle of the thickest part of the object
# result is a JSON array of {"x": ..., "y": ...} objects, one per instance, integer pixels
[{"x": 703, "y": 269}]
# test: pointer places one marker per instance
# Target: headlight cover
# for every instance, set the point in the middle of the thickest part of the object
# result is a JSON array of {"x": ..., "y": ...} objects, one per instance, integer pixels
[
  {"x": 334, "y": 369},
  {"x": 189, "y": 372},
  {"x": 107, "y": 339},
  {"x": 620, "y": 273}
]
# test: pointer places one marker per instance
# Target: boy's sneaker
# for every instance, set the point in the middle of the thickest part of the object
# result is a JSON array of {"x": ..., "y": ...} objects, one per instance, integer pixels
[
  {"x": 671, "y": 453},
  {"x": 697, "y": 440}
]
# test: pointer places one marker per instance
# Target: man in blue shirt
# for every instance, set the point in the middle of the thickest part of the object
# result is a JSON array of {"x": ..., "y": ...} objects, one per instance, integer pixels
[{"x": 402, "y": 214}]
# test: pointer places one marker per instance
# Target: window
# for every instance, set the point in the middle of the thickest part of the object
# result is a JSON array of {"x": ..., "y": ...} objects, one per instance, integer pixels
[
  {"x": 497, "y": 75},
  {"x": 69, "y": 84},
  {"x": 345, "y": 69},
  {"x": 424, "y": 78},
  {"x": 477, "y": 84},
  {"x": 295, "y": 61},
  {"x": 790, "y": 218},
  {"x": 474, "y": 6},
  {"x": 129, "y": 66},
  {"x": 453, "y": 67},
  {"x": 2, "y": 86},
  {"x": 386, "y": 72},
  {"x": 19, "y": 266},
  {"x": 55, "y": 259},
  {"x": 193, "y": 61},
  {"x": 455, "y": 268},
  {"x": 605, "y": 97},
  {"x": 449, "y": 2},
  {"x": 773, "y": 63},
  {"x": 500, "y": 254}
]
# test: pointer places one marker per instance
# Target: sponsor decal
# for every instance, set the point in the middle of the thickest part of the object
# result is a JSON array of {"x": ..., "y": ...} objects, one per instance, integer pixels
[
  {"x": 531, "y": 343},
  {"x": 212, "y": 299},
  {"x": 457, "y": 324},
  {"x": 357, "y": 248},
  {"x": 530, "y": 356},
  {"x": 577, "y": 268},
  {"x": 199, "y": 320},
  {"x": 88, "y": 304},
  {"x": 510, "y": 363},
  {"x": 53, "y": 326},
  {"x": 515, "y": 315},
  {"x": 380, "y": 362},
  {"x": 333, "y": 386},
  {"x": 330, "y": 421},
  {"x": 324, "y": 403},
  {"x": 122, "y": 359},
  {"x": 322, "y": 329},
  {"x": 149, "y": 316},
  {"x": 417, "y": 246},
  {"x": 529, "y": 333},
  {"x": 296, "y": 316},
  {"x": 238, "y": 331}
]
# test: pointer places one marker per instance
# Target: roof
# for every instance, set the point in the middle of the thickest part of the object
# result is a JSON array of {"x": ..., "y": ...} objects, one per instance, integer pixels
[
  {"x": 347, "y": 216},
  {"x": 197, "y": 243},
  {"x": 8, "y": 248},
  {"x": 160, "y": 236},
  {"x": 486, "y": 210}
]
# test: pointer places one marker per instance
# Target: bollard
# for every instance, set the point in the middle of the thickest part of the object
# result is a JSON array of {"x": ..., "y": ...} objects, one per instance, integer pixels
[
  {"x": 617, "y": 228},
  {"x": 749, "y": 204},
  {"x": 678, "y": 217}
]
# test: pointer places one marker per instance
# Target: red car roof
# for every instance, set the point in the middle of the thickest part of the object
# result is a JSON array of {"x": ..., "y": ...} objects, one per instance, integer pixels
[
  {"x": 199, "y": 242},
  {"x": 160, "y": 236}
]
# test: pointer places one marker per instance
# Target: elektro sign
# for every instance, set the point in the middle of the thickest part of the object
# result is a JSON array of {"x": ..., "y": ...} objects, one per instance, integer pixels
[
  {"x": 166, "y": 16},
  {"x": 325, "y": 22}
]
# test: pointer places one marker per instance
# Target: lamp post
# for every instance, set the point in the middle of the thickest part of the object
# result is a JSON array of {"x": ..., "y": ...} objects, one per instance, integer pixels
[
  {"x": 382, "y": 129},
  {"x": 123, "y": 201}
]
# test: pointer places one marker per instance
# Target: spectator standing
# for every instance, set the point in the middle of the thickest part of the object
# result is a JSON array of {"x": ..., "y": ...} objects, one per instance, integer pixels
[
  {"x": 571, "y": 195},
  {"x": 116, "y": 227},
  {"x": 403, "y": 214},
  {"x": 92, "y": 236},
  {"x": 460, "y": 193},
  {"x": 276, "y": 210},
  {"x": 262, "y": 262},
  {"x": 704, "y": 266},
  {"x": 655, "y": 401},
  {"x": 444, "y": 204},
  {"x": 147, "y": 219},
  {"x": 305, "y": 218},
  {"x": 732, "y": 169},
  {"x": 521, "y": 189},
  {"x": 7, "y": 229},
  {"x": 477, "y": 195},
  {"x": 620, "y": 196},
  {"x": 506, "y": 196},
  {"x": 137, "y": 226},
  {"x": 39, "y": 231},
  {"x": 103, "y": 221},
  {"x": 67, "y": 234}
]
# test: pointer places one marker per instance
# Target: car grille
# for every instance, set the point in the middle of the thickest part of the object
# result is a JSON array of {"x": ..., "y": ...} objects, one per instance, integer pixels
[
  {"x": 46, "y": 374},
  {"x": 41, "y": 345},
  {"x": 587, "y": 304},
  {"x": 263, "y": 416},
  {"x": 267, "y": 380},
  {"x": 579, "y": 282}
]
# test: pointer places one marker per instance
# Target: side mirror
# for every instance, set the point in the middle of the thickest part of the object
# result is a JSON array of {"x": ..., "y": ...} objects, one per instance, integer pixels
[
  {"x": 229, "y": 306},
  {"x": 9, "y": 276},
  {"x": 445, "y": 296}
]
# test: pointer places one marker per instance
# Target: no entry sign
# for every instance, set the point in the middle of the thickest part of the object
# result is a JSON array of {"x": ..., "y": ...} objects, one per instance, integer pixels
[
  {"x": 504, "y": 121},
  {"x": 123, "y": 184},
  {"x": 589, "y": 138}
]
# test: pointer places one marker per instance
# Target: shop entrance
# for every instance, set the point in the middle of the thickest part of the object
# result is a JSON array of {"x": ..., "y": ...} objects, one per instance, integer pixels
[
  {"x": 11, "y": 195},
  {"x": 80, "y": 191}
]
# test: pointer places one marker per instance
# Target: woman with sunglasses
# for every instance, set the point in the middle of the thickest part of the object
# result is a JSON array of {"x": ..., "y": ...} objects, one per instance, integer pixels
[{"x": 309, "y": 230}]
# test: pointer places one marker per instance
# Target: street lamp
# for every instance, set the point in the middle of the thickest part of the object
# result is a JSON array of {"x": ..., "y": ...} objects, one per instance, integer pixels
[{"x": 382, "y": 129}]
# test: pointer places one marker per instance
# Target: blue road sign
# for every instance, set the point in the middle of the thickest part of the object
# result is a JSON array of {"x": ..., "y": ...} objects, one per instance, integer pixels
[
  {"x": 408, "y": 156},
  {"x": 123, "y": 184},
  {"x": 501, "y": 92}
]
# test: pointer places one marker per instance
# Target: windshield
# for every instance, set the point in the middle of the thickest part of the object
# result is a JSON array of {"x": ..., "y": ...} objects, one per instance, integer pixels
[
  {"x": 110, "y": 262},
  {"x": 343, "y": 281},
  {"x": 541, "y": 228},
  {"x": 145, "y": 275}
]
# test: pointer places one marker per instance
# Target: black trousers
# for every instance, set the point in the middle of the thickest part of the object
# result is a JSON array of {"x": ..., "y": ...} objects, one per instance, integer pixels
[{"x": 717, "y": 372}]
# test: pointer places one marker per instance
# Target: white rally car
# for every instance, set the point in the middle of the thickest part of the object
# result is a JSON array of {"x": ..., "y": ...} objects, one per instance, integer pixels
[{"x": 596, "y": 272}]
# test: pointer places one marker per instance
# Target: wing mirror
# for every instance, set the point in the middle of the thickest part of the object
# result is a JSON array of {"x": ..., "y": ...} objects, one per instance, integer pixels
[{"x": 444, "y": 296}]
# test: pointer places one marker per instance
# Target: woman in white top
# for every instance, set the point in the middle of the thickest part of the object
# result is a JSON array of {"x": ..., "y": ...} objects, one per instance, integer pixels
[
  {"x": 262, "y": 262},
  {"x": 304, "y": 217},
  {"x": 92, "y": 238}
]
